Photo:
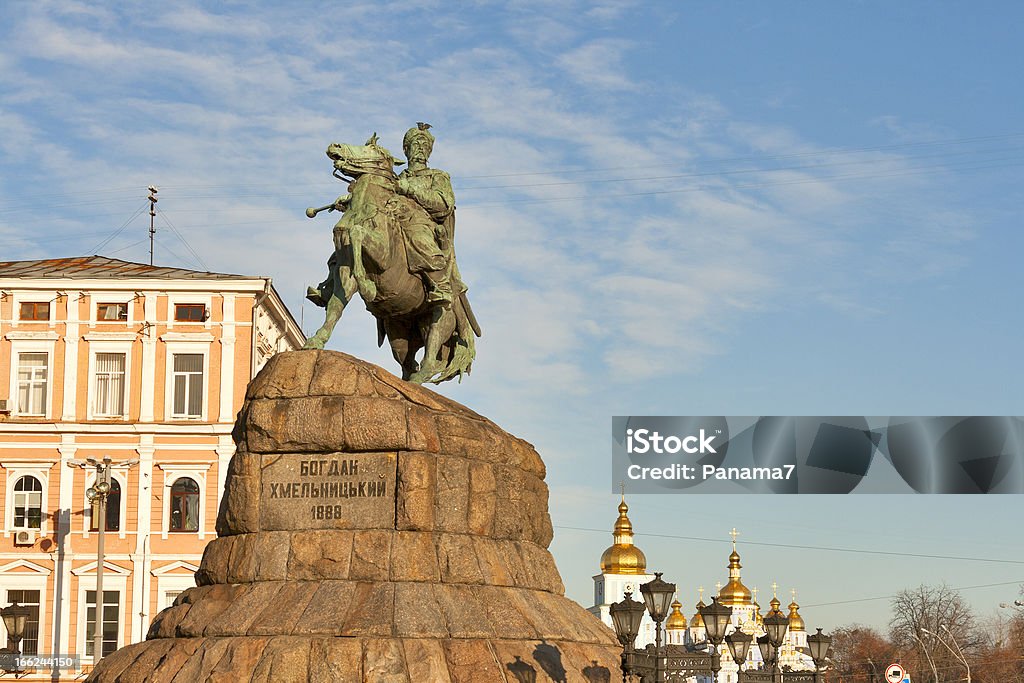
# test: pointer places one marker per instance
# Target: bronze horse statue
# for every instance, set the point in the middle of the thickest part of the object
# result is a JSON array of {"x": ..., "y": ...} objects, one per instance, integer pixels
[{"x": 370, "y": 258}]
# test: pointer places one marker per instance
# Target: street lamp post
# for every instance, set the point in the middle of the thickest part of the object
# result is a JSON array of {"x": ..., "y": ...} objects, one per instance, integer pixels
[
  {"x": 959, "y": 654},
  {"x": 626, "y": 618},
  {"x": 657, "y": 596},
  {"x": 15, "y": 619},
  {"x": 927, "y": 655},
  {"x": 97, "y": 494},
  {"x": 819, "y": 645},
  {"x": 739, "y": 644},
  {"x": 716, "y": 619},
  {"x": 775, "y": 625}
]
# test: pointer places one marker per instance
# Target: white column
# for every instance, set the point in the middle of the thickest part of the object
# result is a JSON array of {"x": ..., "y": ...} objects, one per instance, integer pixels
[
  {"x": 227, "y": 362},
  {"x": 71, "y": 359},
  {"x": 225, "y": 449},
  {"x": 148, "y": 408},
  {"x": 62, "y": 565},
  {"x": 142, "y": 560}
]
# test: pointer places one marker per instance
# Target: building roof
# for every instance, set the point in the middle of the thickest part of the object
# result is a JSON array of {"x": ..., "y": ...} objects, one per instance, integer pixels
[{"x": 103, "y": 267}]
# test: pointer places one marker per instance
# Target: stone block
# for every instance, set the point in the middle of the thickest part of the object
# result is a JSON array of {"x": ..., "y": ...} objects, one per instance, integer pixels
[
  {"x": 143, "y": 666},
  {"x": 336, "y": 660},
  {"x": 242, "y": 654},
  {"x": 214, "y": 566},
  {"x": 173, "y": 661},
  {"x": 384, "y": 661},
  {"x": 206, "y": 606},
  {"x": 466, "y": 437},
  {"x": 422, "y": 430},
  {"x": 512, "y": 561},
  {"x": 286, "y": 375},
  {"x": 492, "y": 563},
  {"x": 371, "y": 555},
  {"x": 462, "y": 610},
  {"x": 416, "y": 491},
  {"x": 283, "y": 611},
  {"x": 320, "y": 554},
  {"x": 524, "y": 456},
  {"x": 417, "y": 613},
  {"x": 328, "y": 491},
  {"x": 166, "y": 623},
  {"x": 283, "y": 660},
  {"x": 335, "y": 374},
  {"x": 246, "y": 606},
  {"x": 451, "y": 504},
  {"x": 414, "y": 557},
  {"x": 456, "y": 557},
  {"x": 240, "y": 506},
  {"x": 505, "y": 619},
  {"x": 426, "y": 661},
  {"x": 541, "y": 572},
  {"x": 473, "y": 662},
  {"x": 372, "y": 611},
  {"x": 313, "y": 424},
  {"x": 202, "y": 662},
  {"x": 375, "y": 424},
  {"x": 482, "y": 498},
  {"x": 325, "y": 614}
]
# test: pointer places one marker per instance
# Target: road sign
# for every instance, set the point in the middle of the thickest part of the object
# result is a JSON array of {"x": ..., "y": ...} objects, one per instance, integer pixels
[{"x": 895, "y": 673}]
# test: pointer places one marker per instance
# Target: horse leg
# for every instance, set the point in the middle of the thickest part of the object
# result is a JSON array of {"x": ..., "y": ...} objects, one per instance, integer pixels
[
  {"x": 442, "y": 321},
  {"x": 341, "y": 293},
  {"x": 403, "y": 345},
  {"x": 367, "y": 289}
]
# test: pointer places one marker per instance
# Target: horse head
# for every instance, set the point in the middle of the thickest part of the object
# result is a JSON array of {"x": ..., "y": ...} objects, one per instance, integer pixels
[{"x": 355, "y": 160}]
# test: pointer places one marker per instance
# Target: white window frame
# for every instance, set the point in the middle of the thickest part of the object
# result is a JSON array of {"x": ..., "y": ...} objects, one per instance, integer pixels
[
  {"x": 114, "y": 579},
  {"x": 15, "y": 471},
  {"x": 122, "y": 481},
  {"x": 97, "y": 347},
  {"x": 176, "y": 348},
  {"x": 173, "y": 472},
  {"x": 25, "y": 575},
  {"x": 19, "y": 347},
  {"x": 167, "y": 582}
]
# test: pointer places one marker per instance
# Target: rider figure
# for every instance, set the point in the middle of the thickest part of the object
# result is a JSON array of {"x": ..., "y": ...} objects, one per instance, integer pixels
[{"x": 430, "y": 244}]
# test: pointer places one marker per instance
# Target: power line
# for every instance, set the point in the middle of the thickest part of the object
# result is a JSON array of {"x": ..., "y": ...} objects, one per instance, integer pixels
[
  {"x": 890, "y": 597},
  {"x": 837, "y": 549},
  {"x": 117, "y": 232},
  {"x": 163, "y": 216}
]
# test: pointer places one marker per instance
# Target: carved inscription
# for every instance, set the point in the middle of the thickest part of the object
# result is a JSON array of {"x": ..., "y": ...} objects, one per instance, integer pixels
[{"x": 338, "y": 491}]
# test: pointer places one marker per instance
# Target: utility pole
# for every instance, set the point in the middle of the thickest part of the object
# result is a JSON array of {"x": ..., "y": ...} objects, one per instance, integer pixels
[{"x": 152, "y": 215}]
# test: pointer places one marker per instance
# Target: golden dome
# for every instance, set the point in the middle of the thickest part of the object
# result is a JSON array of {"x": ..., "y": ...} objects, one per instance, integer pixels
[
  {"x": 734, "y": 593},
  {"x": 676, "y": 620},
  {"x": 698, "y": 620},
  {"x": 622, "y": 557},
  {"x": 796, "y": 622}
]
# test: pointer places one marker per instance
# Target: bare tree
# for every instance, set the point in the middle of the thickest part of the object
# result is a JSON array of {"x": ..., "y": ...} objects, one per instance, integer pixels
[{"x": 936, "y": 622}]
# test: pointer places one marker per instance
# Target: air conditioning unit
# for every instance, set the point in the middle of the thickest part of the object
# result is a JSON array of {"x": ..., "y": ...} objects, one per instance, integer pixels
[
  {"x": 25, "y": 537},
  {"x": 3, "y": 406}
]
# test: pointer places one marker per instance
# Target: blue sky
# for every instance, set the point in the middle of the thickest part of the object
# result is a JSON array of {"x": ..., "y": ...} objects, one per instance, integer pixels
[{"x": 664, "y": 208}]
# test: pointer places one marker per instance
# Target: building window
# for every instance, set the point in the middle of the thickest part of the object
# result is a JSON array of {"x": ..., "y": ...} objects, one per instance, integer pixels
[
  {"x": 35, "y": 310},
  {"x": 189, "y": 313},
  {"x": 113, "y": 509},
  {"x": 111, "y": 613},
  {"x": 184, "y": 505},
  {"x": 33, "y": 372},
  {"x": 117, "y": 311},
  {"x": 170, "y": 597},
  {"x": 27, "y": 598},
  {"x": 187, "y": 379},
  {"x": 110, "y": 382},
  {"x": 28, "y": 503}
]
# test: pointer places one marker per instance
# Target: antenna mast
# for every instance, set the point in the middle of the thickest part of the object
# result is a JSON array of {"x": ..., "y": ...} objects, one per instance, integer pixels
[{"x": 152, "y": 215}]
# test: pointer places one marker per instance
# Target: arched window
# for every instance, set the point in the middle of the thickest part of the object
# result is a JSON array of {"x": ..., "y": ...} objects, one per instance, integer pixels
[
  {"x": 113, "y": 509},
  {"x": 28, "y": 503},
  {"x": 184, "y": 505}
]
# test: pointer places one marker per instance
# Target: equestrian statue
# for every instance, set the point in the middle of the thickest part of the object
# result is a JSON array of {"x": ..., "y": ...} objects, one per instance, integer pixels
[{"x": 394, "y": 246}]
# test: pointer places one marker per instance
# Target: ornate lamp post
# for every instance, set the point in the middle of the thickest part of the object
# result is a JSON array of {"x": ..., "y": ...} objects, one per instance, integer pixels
[
  {"x": 97, "y": 495},
  {"x": 819, "y": 645},
  {"x": 739, "y": 645},
  {"x": 15, "y": 620},
  {"x": 775, "y": 625},
  {"x": 716, "y": 619},
  {"x": 626, "y": 617},
  {"x": 658, "y": 598}
]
